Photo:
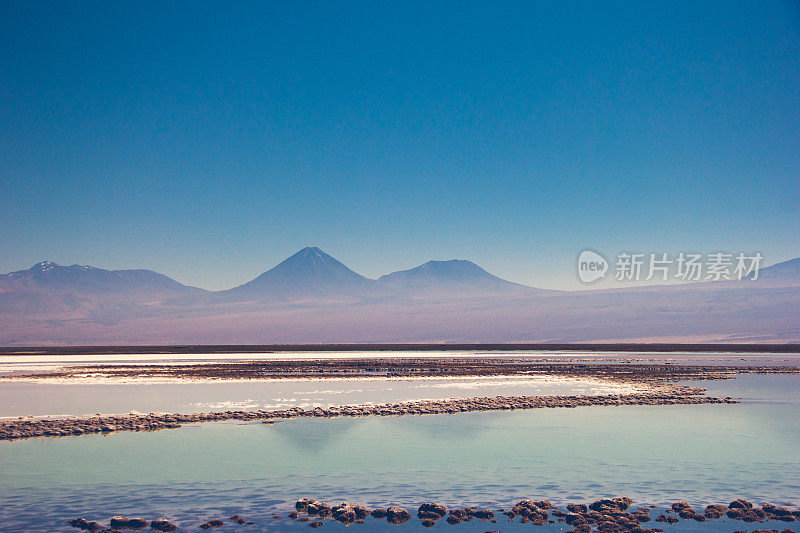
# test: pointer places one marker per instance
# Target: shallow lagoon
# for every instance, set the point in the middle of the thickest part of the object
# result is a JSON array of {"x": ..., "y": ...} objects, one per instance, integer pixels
[
  {"x": 55, "y": 399},
  {"x": 654, "y": 454},
  {"x": 86, "y": 396}
]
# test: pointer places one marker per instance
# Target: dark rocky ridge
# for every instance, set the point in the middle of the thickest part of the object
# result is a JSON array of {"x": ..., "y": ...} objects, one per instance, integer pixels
[
  {"x": 605, "y": 515},
  {"x": 608, "y": 515}
]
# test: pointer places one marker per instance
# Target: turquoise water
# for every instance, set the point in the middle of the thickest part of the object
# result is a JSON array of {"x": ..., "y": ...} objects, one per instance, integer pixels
[{"x": 702, "y": 454}]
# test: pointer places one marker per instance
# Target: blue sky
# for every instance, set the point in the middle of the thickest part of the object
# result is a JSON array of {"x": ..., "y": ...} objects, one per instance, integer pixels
[{"x": 209, "y": 141}]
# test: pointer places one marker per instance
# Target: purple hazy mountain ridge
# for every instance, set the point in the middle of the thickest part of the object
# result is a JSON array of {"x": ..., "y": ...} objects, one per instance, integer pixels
[
  {"x": 79, "y": 291},
  {"x": 787, "y": 271},
  {"x": 49, "y": 275},
  {"x": 310, "y": 270},
  {"x": 313, "y": 273},
  {"x": 452, "y": 275},
  {"x": 313, "y": 298},
  {"x": 451, "y": 270}
]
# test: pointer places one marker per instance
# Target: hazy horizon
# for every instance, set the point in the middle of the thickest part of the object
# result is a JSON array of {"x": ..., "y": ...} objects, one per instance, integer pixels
[{"x": 608, "y": 283}]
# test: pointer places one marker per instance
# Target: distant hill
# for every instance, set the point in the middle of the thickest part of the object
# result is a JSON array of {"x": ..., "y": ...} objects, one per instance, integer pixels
[
  {"x": 51, "y": 276},
  {"x": 312, "y": 273},
  {"x": 79, "y": 290},
  {"x": 453, "y": 276},
  {"x": 785, "y": 273}
]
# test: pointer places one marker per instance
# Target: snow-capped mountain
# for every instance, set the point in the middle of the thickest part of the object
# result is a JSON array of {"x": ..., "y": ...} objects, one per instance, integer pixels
[
  {"x": 60, "y": 292},
  {"x": 49, "y": 275}
]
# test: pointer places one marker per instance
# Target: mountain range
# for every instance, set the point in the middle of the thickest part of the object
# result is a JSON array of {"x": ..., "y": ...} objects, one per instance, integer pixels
[
  {"x": 312, "y": 297},
  {"x": 49, "y": 275}
]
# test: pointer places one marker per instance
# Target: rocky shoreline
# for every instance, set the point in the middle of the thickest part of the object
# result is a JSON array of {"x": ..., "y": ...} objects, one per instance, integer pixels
[
  {"x": 657, "y": 383},
  {"x": 608, "y": 515},
  {"x": 419, "y": 367},
  {"x": 28, "y": 428}
]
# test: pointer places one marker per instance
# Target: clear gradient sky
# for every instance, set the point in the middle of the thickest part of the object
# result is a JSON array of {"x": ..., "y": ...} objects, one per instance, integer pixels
[{"x": 210, "y": 140}]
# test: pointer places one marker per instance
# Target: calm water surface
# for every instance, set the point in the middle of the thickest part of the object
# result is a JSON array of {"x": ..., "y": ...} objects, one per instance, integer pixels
[
  {"x": 44, "y": 399},
  {"x": 12, "y": 363},
  {"x": 703, "y": 454}
]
